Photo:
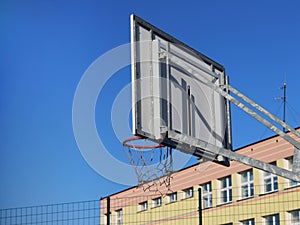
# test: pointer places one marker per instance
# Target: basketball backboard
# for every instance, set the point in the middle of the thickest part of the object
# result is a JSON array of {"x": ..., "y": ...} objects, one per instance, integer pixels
[
  {"x": 170, "y": 91},
  {"x": 181, "y": 99}
]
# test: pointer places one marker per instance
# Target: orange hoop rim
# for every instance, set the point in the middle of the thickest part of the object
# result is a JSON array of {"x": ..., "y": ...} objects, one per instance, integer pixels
[{"x": 127, "y": 141}]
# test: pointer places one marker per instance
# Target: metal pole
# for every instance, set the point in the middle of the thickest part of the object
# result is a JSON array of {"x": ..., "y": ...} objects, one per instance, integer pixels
[
  {"x": 108, "y": 210},
  {"x": 200, "y": 205}
]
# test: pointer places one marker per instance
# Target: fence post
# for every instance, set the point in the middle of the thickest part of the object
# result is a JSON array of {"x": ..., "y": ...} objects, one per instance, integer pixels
[
  {"x": 108, "y": 210},
  {"x": 200, "y": 205}
]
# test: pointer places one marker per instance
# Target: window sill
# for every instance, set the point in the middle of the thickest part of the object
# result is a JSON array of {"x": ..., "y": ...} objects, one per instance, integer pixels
[
  {"x": 207, "y": 208},
  {"x": 293, "y": 186},
  {"x": 186, "y": 198},
  {"x": 224, "y": 203},
  {"x": 267, "y": 193},
  {"x": 246, "y": 198},
  {"x": 171, "y": 202},
  {"x": 143, "y": 210}
]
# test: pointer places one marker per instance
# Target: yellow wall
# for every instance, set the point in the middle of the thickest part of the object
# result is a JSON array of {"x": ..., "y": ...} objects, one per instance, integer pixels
[{"x": 184, "y": 211}]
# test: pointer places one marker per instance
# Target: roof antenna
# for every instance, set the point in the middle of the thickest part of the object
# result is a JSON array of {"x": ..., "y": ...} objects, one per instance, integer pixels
[{"x": 284, "y": 100}]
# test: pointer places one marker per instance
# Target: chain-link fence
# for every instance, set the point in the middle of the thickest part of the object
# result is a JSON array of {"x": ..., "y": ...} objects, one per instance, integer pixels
[
  {"x": 199, "y": 205},
  {"x": 73, "y": 213}
]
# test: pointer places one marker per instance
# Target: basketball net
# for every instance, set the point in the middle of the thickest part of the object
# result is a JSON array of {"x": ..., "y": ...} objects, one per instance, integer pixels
[{"x": 153, "y": 164}]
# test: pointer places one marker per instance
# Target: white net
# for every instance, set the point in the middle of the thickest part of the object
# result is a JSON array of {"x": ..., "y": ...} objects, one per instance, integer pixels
[{"x": 153, "y": 164}]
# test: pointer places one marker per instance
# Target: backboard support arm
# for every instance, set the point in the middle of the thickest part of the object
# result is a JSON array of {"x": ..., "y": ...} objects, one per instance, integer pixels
[
  {"x": 204, "y": 149},
  {"x": 225, "y": 92}
]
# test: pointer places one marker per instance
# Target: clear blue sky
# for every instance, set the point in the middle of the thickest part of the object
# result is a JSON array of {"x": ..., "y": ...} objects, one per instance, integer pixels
[{"x": 46, "y": 46}]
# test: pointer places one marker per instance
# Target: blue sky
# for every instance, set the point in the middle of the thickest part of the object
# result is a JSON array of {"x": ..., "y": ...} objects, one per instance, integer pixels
[{"x": 46, "y": 46}]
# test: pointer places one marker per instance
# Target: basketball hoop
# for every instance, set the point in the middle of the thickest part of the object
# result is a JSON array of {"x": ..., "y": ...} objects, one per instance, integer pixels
[{"x": 153, "y": 163}]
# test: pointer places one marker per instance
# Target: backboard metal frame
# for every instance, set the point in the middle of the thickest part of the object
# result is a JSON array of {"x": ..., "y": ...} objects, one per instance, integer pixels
[{"x": 158, "y": 82}]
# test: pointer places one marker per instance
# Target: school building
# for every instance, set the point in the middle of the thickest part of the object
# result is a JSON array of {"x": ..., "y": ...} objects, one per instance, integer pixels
[{"x": 211, "y": 194}]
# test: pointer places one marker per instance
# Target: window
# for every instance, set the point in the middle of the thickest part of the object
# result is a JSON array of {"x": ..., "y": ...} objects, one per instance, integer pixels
[
  {"x": 270, "y": 181},
  {"x": 207, "y": 195},
  {"x": 188, "y": 193},
  {"x": 247, "y": 222},
  {"x": 272, "y": 220},
  {"x": 247, "y": 186},
  {"x": 105, "y": 219},
  {"x": 172, "y": 197},
  {"x": 143, "y": 206},
  {"x": 119, "y": 217},
  {"x": 226, "y": 190},
  {"x": 295, "y": 217},
  {"x": 156, "y": 202},
  {"x": 290, "y": 167}
]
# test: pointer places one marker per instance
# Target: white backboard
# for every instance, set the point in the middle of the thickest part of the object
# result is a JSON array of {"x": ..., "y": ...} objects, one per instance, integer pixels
[{"x": 170, "y": 91}]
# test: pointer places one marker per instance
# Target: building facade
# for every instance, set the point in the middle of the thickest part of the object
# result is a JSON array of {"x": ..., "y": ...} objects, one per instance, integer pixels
[{"x": 238, "y": 194}]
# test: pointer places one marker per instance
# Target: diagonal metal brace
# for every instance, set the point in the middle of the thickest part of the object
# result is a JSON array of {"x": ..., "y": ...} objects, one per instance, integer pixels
[
  {"x": 199, "y": 145},
  {"x": 239, "y": 104},
  {"x": 262, "y": 110}
]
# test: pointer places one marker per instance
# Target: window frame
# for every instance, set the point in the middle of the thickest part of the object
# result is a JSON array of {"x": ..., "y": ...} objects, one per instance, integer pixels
[
  {"x": 273, "y": 180},
  {"x": 274, "y": 219},
  {"x": 292, "y": 217},
  {"x": 247, "y": 222},
  {"x": 247, "y": 184},
  {"x": 206, "y": 195},
  {"x": 171, "y": 199},
  {"x": 143, "y": 206},
  {"x": 188, "y": 193},
  {"x": 119, "y": 217},
  {"x": 156, "y": 202},
  {"x": 291, "y": 183},
  {"x": 225, "y": 190}
]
